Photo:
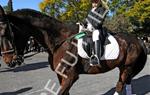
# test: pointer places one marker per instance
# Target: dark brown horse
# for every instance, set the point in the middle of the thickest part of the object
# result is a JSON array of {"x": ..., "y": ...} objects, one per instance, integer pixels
[{"x": 55, "y": 36}]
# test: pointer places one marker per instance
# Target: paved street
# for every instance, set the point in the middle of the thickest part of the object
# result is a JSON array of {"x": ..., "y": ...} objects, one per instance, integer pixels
[{"x": 32, "y": 78}]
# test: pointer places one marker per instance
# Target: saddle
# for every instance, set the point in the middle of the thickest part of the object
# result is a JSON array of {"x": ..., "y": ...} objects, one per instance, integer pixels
[{"x": 86, "y": 48}]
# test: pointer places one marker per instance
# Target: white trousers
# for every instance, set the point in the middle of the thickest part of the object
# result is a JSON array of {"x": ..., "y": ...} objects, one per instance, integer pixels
[{"x": 95, "y": 34}]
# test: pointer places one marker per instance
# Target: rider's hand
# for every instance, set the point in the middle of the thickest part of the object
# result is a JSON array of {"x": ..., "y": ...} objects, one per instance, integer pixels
[{"x": 84, "y": 23}]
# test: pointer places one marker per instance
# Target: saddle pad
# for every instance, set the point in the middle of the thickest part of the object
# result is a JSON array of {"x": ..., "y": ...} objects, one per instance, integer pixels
[{"x": 111, "y": 51}]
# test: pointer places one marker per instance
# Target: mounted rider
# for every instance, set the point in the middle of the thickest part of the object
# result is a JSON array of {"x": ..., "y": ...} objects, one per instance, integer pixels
[{"x": 94, "y": 23}]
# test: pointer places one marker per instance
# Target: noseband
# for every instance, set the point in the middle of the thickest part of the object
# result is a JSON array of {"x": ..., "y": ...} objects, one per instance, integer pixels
[{"x": 8, "y": 51}]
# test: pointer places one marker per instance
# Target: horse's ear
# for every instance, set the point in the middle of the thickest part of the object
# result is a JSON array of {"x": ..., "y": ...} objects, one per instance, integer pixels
[{"x": 2, "y": 13}]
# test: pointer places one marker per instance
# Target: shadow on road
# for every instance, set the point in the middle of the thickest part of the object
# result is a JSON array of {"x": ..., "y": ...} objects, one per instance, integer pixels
[
  {"x": 140, "y": 86},
  {"x": 17, "y": 92},
  {"x": 27, "y": 67}
]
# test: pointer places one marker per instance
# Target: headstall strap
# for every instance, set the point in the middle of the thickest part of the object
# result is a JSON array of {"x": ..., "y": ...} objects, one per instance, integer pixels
[{"x": 12, "y": 36}]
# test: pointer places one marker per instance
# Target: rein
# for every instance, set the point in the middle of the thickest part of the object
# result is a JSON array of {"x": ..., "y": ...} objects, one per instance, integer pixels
[{"x": 76, "y": 36}]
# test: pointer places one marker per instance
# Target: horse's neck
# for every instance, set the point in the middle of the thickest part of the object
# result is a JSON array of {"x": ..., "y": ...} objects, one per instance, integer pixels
[
  {"x": 64, "y": 33},
  {"x": 48, "y": 31}
]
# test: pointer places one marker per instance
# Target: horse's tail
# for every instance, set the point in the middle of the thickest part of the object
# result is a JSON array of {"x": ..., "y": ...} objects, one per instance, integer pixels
[{"x": 141, "y": 60}]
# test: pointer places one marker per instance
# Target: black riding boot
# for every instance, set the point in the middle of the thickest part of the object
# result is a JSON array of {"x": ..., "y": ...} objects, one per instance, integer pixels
[{"x": 95, "y": 59}]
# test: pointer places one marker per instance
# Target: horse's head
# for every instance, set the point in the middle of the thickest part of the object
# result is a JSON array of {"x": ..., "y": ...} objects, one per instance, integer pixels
[{"x": 8, "y": 49}]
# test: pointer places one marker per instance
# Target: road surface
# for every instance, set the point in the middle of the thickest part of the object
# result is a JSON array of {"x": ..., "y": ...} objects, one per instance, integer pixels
[{"x": 35, "y": 76}]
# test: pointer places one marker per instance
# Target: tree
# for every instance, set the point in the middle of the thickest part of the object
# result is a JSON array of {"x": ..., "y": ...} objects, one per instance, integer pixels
[
  {"x": 135, "y": 11},
  {"x": 121, "y": 6},
  {"x": 9, "y": 7},
  {"x": 66, "y": 10},
  {"x": 118, "y": 23},
  {"x": 126, "y": 15},
  {"x": 139, "y": 15}
]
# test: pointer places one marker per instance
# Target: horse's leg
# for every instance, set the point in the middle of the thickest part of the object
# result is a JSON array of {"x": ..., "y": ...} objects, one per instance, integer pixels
[
  {"x": 66, "y": 83},
  {"x": 124, "y": 77},
  {"x": 128, "y": 70}
]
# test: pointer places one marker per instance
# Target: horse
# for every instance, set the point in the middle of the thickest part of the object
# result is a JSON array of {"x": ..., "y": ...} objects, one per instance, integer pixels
[{"x": 59, "y": 41}]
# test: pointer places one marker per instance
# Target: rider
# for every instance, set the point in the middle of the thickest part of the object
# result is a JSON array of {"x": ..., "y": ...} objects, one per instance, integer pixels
[{"x": 94, "y": 22}]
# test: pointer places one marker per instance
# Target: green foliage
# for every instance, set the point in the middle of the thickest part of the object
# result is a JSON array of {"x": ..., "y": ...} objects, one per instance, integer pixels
[
  {"x": 121, "y": 6},
  {"x": 6, "y": 9},
  {"x": 127, "y": 15},
  {"x": 9, "y": 7},
  {"x": 136, "y": 12},
  {"x": 52, "y": 7},
  {"x": 140, "y": 11},
  {"x": 139, "y": 15},
  {"x": 66, "y": 10},
  {"x": 118, "y": 23}
]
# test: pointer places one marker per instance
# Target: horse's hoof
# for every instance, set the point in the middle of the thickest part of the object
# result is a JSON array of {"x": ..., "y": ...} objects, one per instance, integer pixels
[
  {"x": 19, "y": 60},
  {"x": 19, "y": 63},
  {"x": 12, "y": 64}
]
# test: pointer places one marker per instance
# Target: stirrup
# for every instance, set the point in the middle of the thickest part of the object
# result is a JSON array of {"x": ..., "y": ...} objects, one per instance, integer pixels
[{"x": 97, "y": 60}]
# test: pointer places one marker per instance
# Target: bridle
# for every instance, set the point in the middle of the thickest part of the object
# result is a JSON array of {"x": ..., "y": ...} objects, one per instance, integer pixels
[
  {"x": 18, "y": 58},
  {"x": 13, "y": 49}
]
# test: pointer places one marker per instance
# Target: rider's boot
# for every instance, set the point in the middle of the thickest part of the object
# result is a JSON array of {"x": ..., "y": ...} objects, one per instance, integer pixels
[{"x": 95, "y": 59}]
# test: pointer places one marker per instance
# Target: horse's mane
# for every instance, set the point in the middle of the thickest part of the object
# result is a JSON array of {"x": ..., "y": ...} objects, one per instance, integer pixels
[
  {"x": 33, "y": 13},
  {"x": 41, "y": 23},
  {"x": 36, "y": 18}
]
